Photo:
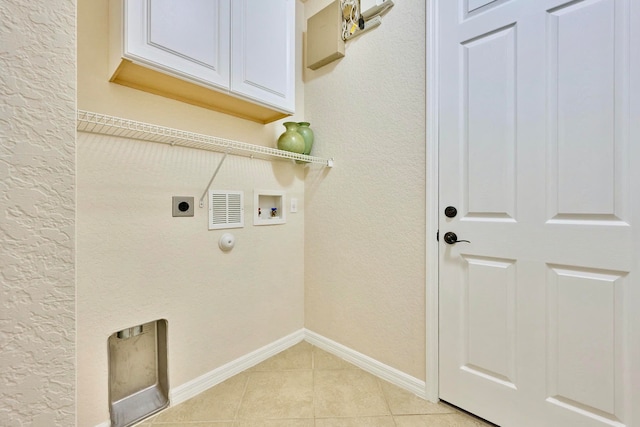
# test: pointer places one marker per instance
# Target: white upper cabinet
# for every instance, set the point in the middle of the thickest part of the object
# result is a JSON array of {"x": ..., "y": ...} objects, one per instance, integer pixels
[
  {"x": 188, "y": 37},
  {"x": 234, "y": 56},
  {"x": 262, "y": 51}
]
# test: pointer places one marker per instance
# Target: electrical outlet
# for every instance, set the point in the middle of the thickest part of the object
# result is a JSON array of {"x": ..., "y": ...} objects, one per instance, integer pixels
[{"x": 182, "y": 206}]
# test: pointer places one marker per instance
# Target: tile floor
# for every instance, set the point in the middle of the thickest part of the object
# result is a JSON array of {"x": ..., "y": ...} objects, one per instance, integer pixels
[{"x": 307, "y": 387}]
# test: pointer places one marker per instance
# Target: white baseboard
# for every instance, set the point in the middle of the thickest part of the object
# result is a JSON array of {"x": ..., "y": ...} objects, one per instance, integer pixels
[
  {"x": 387, "y": 373},
  {"x": 198, "y": 385}
]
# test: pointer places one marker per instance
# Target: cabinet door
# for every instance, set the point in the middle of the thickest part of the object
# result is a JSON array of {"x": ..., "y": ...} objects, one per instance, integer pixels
[
  {"x": 262, "y": 51},
  {"x": 186, "y": 38}
]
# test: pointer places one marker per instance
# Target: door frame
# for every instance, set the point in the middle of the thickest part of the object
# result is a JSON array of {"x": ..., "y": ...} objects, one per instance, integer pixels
[{"x": 432, "y": 196}]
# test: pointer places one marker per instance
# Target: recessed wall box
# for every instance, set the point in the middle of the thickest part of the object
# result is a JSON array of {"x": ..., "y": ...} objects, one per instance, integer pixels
[
  {"x": 182, "y": 206},
  {"x": 138, "y": 374},
  {"x": 324, "y": 36},
  {"x": 269, "y": 207}
]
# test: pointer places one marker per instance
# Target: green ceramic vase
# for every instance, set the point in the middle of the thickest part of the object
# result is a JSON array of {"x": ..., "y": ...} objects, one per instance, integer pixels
[
  {"x": 291, "y": 140},
  {"x": 307, "y": 134}
]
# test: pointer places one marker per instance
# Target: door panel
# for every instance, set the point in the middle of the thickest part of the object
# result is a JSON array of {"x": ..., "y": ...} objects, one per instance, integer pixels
[
  {"x": 489, "y": 319},
  {"x": 538, "y": 152},
  {"x": 477, "y": 4},
  {"x": 585, "y": 317},
  {"x": 489, "y": 107},
  {"x": 582, "y": 85}
]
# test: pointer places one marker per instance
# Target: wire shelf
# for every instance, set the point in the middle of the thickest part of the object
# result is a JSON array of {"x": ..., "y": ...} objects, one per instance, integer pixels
[{"x": 115, "y": 126}]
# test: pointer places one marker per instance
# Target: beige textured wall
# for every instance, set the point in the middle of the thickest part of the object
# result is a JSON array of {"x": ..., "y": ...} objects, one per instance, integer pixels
[
  {"x": 37, "y": 192},
  {"x": 136, "y": 263},
  {"x": 365, "y": 221}
]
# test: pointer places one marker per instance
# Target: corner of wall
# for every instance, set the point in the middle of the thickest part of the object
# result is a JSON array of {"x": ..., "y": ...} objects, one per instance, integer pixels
[{"x": 37, "y": 224}]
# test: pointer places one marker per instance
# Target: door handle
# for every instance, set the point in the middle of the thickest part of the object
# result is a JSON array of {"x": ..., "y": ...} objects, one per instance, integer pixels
[{"x": 450, "y": 237}]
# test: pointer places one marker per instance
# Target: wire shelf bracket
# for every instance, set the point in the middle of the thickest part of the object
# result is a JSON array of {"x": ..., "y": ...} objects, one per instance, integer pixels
[
  {"x": 125, "y": 128},
  {"x": 204, "y": 194}
]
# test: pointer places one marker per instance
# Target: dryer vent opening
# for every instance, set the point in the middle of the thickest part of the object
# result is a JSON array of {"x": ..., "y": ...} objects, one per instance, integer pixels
[{"x": 138, "y": 380}]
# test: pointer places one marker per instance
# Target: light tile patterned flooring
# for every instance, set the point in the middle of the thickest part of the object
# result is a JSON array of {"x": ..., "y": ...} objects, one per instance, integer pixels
[{"x": 307, "y": 387}]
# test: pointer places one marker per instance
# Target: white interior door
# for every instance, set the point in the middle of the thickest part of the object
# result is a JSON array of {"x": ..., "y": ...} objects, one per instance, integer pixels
[{"x": 539, "y": 145}]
